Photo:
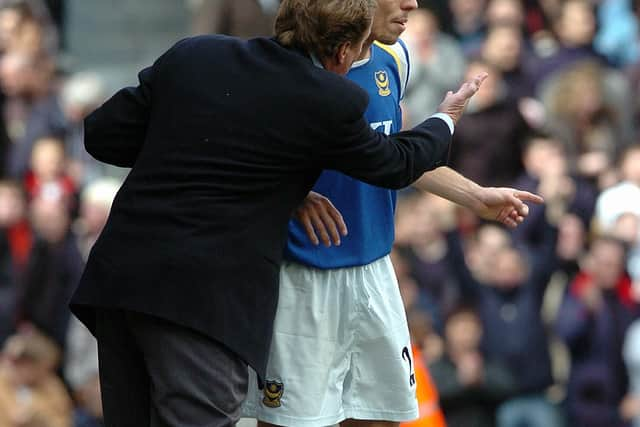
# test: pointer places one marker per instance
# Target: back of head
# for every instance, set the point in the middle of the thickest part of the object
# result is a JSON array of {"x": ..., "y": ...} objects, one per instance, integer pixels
[{"x": 322, "y": 26}]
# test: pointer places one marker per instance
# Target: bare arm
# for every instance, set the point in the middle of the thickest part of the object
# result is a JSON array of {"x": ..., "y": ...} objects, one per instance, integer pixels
[{"x": 505, "y": 205}]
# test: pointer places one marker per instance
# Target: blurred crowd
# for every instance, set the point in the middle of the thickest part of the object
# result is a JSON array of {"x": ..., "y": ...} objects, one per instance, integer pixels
[{"x": 535, "y": 327}]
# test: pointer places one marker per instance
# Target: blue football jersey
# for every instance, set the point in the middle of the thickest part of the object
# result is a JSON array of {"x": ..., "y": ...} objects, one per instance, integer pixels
[{"x": 368, "y": 211}]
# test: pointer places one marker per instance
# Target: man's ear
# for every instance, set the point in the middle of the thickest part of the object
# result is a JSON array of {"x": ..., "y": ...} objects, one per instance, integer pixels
[{"x": 341, "y": 54}]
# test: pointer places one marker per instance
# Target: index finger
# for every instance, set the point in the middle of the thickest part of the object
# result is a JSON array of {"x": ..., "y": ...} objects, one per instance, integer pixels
[
  {"x": 470, "y": 87},
  {"x": 529, "y": 197}
]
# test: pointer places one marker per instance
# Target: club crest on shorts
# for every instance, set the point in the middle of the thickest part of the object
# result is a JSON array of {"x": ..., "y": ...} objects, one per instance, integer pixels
[
  {"x": 382, "y": 81},
  {"x": 272, "y": 393}
]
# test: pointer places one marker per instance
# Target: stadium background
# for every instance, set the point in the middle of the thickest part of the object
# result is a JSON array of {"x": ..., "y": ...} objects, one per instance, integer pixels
[{"x": 535, "y": 327}]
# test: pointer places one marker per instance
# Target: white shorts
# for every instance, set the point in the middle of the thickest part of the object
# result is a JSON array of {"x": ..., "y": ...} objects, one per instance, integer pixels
[{"x": 341, "y": 350}]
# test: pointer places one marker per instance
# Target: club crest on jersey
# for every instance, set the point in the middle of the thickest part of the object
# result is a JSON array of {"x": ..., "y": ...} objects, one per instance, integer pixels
[
  {"x": 272, "y": 393},
  {"x": 382, "y": 81}
]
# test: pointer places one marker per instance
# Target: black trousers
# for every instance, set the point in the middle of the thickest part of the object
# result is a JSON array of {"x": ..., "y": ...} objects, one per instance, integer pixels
[{"x": 159, "y": 374}]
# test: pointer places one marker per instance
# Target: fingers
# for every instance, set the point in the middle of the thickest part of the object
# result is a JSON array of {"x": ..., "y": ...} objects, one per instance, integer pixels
[
  {"x": 337, "y": 218},
  {"x": 304, "y": 219},
  {"x": 511, "y": 218},
  {"x": 469, "y": 88},
  {"x": 322, "y": 222},
  {"x": 325, "y": 227},
  {"x": 529, "y": 197},
  {"x": 333, "y": 223}
]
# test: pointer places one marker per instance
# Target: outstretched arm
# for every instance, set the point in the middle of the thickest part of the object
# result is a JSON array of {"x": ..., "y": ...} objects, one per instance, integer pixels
[
  {"x": 505, "y": 205},
  {"x": 398, "y": 160}
]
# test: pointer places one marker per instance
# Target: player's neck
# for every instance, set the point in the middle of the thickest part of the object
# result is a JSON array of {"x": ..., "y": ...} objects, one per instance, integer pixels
[{"x": 366, "y": 50}]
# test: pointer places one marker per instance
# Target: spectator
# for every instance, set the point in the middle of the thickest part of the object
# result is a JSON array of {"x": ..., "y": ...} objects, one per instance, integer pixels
[
  {"x": 509, "y": 296},
  {"x": 505, "y": 13},
  {"x": 487, "y": 143},
  {"x": 33, "y": 110},
  {"x": 95, "y": 203},
  {"x": 630, "y": 407},
  {"x": 547, "y": 170},
  {"x": 617, "y": 36},
  {"x": 81, "y": 372},
  {"x": 80, "y": 95},
  {"x": 470, "y": 386},
  {"x": 11, "y": 211},
  {"x": 241, "y": 18},
  {"x": 26, "y": 27},
  {"x": 575, "y": 27},
  {"x": 623, "y": 199},
  {"x": 426, "y": 254},
  {"x": 596, "y": 313},
  {"x": 468, "y": 25},
  {"x": 503, "y": 48},
  {"x": 54, "y": 268},
  {"x": 30, "y": 392},
  {"x": 437, "y": 65},
  {"x": 47, "y": 178}
]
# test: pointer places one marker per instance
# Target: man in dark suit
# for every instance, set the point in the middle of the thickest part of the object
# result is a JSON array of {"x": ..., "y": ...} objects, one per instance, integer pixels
[{"x": 225, "y": 138}]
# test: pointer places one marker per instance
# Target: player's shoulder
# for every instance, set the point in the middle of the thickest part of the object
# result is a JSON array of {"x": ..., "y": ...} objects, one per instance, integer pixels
[
  {"x": 398, "y": 52},
  {"x": 397, "y": 57}
]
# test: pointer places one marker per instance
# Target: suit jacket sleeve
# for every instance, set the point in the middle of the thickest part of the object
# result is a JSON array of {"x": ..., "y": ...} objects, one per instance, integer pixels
[
  {"x": 115, "y": 132},
  {"x": 386, "y": 161}
]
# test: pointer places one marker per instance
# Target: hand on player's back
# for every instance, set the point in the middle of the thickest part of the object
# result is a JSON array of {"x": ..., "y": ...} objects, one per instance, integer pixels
[
  {"x": 321, "y": 220},
  {"x": 454, "y": 103}
]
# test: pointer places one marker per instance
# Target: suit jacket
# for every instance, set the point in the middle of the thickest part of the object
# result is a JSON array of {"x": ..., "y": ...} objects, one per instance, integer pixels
[{"x": 225, "y": 138}]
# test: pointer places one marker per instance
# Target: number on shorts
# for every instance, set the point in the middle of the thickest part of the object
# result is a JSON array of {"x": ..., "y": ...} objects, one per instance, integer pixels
[{"x": 406, "y": 355}]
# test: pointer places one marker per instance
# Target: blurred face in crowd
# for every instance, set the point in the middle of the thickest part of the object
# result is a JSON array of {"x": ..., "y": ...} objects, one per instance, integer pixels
[
  {"x": 502, "y": 47},
  {"x": 9, "y": 20},
  {"x": 490, "y": 240},
  {"x": 15, "y": 73},
  {"x": 391, "y": 19},
  {"x": 505, "y": 12},
  {"x": 510, "y": 269},
  {"x": 426, "y": 225},
  {"x": 12, "y": 204},
  {"x": 421, "y": 29},
  {"x": 606, "y": 263},
  {"x": 540, "y": 155},
  {"x": 463, "y": 332},
  {"x": 577, "y": 23},
  {"x": 48, "y": 159},
  {"x": 467, "y": 10},
  {"x": 50, "y": 219},
  {"x": 630, "y": 165},
  {"x": 571, "y": 237}
]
